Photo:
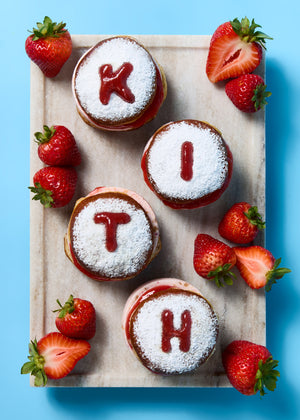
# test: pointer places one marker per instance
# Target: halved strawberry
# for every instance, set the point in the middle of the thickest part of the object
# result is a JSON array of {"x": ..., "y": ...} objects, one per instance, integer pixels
[
  {"x": 213, "y": 259},
  {"x": 54, "y": 356},
  {"x": 258, "y": 267},
  {"x": 235, "y": 49}
]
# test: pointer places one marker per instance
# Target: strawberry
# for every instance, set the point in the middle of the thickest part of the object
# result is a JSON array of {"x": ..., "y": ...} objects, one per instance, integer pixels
[
  {"x": 213, "y": 259},
  {"x": 235, "y": 49},
  {"x": 53, "y": 356},
  {"x": 258, "y": 267},
  {"x": 49, "y": 46},
  {"x": 54, "y": 186},
  {"x": 241, "y": 223},
  {"x": 250, "y": 367},
  {"x": 57, "y": 146},
  {"x": 248, "y": 92},
  {"x": 76, "y": 319}
]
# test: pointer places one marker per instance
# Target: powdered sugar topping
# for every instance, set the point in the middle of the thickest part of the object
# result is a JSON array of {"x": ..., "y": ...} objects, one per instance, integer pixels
[
  {"x": 210, "y": 166},
  {"x": 141, "y": 81},
  {"x": 134, "y": 239},
  {"x": 148, "y": 330}
]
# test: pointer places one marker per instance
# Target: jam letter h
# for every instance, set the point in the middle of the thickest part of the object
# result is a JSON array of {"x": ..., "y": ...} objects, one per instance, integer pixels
[{"x": 168, "y": 330}]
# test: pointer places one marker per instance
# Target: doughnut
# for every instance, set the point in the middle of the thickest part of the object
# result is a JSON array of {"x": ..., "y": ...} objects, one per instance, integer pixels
[
  {"x": 112, "y": 234},
  {"x": 187, "y": 164},
  {"x": 117, "y": 85},
  {"x": 169, "y": 326}
]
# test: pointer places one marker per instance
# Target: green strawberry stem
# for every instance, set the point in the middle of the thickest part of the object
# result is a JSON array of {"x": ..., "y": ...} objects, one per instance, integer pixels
[
  {"x": 35, "y": 366},
  {"x": 48, "y": 28},
  {"x": 222, "y": 275},
  {"x": 255, "y": 218},
  {"x": 259, "y": 96},
  {"x": 275, "y": 274},
  {"x": 266, "y": 376},
  {"x": 45, "y": 196},
  {"x": 68, "y": 307},
  {"x": 247, "y": 31},
  {"x": 45, "y": 136}
]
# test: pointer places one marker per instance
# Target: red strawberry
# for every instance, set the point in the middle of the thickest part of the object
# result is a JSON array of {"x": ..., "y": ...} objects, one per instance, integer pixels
[
  {"x": 57, "y": 146},
  {"x": 258, "y": 267},
  {"x": 213, "y": 259},
  {"x": 247, "y": 92},
  {"x": 49, "y": 46},
  {"x": 235, "y": 49},
  {"x": 241, "y": 223},
  {"x": 54, "y": 186},
  {"x": 54, "y": 356},
  {"x": 250, "y": 367},
  {"x": 76, "y": 319}
]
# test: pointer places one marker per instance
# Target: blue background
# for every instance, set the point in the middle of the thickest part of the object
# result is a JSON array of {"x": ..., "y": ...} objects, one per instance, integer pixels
[{"x": 17, "y": 398}]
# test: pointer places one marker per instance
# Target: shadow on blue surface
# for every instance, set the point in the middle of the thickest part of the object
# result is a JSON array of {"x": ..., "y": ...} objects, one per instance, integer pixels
[{"x": 226, "y": 403}]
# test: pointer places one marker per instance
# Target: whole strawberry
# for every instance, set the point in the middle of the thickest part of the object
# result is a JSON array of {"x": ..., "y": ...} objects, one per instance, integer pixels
[
  {"x": 248, "y": 92},
  {"x": 49, "y": 46},
  {"x": 250, "y": 367},
  {"x": 258, "y": 267},
  {"x": 57, "y": 146},
  {"x": 235, "y": 49},
  {"x": 54, "y": 186},
  {"x": 76, "y": 319},
  {"x": 54, "y": 356},
  {"x": 213, "y": 259},
  {"x": 241, "y": 223}
]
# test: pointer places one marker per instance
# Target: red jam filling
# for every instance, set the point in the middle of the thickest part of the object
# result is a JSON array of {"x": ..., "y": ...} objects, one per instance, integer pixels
[
  {"x": 115, "y": 82},
  {"x": 111, "y": 222},
  {"x": 141, "y": 299},
  {"x": 187, "y": 160},
  {"x": 168, "y": 331}
]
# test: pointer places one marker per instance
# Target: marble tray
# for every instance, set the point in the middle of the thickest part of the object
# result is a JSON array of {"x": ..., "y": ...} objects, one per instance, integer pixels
[{"x": 113, "y": 159}]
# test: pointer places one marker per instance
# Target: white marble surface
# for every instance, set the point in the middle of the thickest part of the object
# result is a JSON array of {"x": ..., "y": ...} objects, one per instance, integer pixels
[{"x": 113, "y": 159}]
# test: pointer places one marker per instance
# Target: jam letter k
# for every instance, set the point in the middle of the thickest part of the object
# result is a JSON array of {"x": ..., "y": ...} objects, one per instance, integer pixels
[
  {"x": 115, "y": 82},
  {"x": 111, "y": 222},
  {"x": 168, "y": 330}
]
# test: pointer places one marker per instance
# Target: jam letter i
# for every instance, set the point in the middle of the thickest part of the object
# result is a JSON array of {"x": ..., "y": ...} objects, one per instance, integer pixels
[
  {"x": 168, "y": 330},
  {"x": 187, "y": 160},
  {"x": 111, "y": 222}
]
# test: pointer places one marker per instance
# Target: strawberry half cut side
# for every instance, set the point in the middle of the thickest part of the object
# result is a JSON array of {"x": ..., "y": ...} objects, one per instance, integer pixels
[
  {"x": 53, "y": 356},
  {"x": 235, "y": 49},
  {"x": 258, "y": 267}
]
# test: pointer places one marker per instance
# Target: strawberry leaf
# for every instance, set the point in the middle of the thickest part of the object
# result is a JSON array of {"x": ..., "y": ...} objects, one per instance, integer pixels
[
  {"x": 48, "y": 28},
  {"x": 222, "y": 275},
  {"x": 275, "y": 274},
  {"x": 255, "y": 218},
  {"x": 259, "y": 96},
  {"x": 45, "y": 136},
  {"x": 266, "y": 376},
  {"x": 35, "y": 366},
  {"x": 44, "y": 196},
  {"x": 68, "y": 307},
  {"x": 247, "y": 32}
]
